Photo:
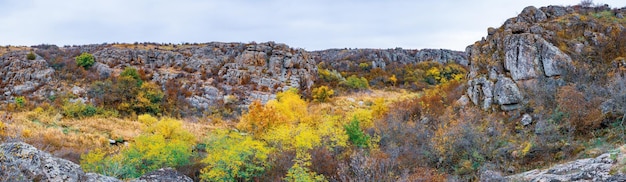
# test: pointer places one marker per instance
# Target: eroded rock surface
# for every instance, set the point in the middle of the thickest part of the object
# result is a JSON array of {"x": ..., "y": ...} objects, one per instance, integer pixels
[
  {"x": 165, "y": 174},
  {"x": 590, "y": 169},
  {"x": 532, "y": 52},
  {"x": 22, "y": 162},
  {"x": 344, "y": 59}
]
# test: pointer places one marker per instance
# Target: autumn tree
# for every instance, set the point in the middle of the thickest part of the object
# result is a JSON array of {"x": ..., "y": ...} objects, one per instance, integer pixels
[
  {"x": 233, "y": 156},
  {"x": 260, "y": 118},
  {"x": 322, "y": 93},
  {"x": 355, "y": 83},
  {"x": 163, "y": 144}
]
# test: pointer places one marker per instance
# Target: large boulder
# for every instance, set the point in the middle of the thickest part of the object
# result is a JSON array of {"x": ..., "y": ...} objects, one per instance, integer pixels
[
  {"x": 531, "y": 14},
  {"x": 507, "y": 94},
  {"x": 22, "y": 162},
  {"x": 590, "y": 169},
  {"x": 521, "y": 56},
  {"x": 527, "y": 55}
]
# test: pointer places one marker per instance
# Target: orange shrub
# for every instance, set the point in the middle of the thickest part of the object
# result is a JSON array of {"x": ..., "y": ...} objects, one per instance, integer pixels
[{"x": 582, "y": 114}]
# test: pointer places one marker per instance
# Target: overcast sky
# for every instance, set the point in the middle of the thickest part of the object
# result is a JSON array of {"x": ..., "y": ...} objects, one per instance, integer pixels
[{"x": 308, "y": 24}]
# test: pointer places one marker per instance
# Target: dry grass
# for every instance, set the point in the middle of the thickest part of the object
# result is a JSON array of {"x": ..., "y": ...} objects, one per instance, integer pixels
[
  {"x": 51, "y": 132},
  {"x": 344, "y": 105},
  {"x": 68, "y": 138},
  {"x": 6, "y": 49}
]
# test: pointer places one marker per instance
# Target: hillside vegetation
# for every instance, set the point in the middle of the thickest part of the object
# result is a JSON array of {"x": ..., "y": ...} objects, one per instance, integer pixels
[{"x": 548, "y": 86}]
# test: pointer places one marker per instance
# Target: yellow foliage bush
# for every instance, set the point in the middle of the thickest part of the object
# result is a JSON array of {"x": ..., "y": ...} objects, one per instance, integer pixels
[
  {"x": 291, "y": 105},
  {"x": 170, "y": 129},
  {"x": 260, "y": 118},
  {"x": 379, "y": 108},
  {"x": 288, "y": 108},
  {"x": 2, "y": 134},
  {"x": 331, "y": 132},
  {"x": 164, "y": 144},
  {"x": 233, "y": 156},
  {"x": 27, "y": 133},
  {"x": 147, "y": 119},
  {"x": 322, "y": 93},
  {"x": 365, "y": 117},
  {"x": 393, "y": 80}
]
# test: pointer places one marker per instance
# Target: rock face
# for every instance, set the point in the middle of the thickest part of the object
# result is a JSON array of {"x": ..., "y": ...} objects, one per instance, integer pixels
[
  {"x": 531, "y": 53},
  {"x": 590, "y": 169},
  {"x": 344, "y": 59},
  {"x": 208, "y": 72},
  {"x": 22, "y": 76},
  {"x": 214, "y": 70},
  {"x": 22, "y": 162}
]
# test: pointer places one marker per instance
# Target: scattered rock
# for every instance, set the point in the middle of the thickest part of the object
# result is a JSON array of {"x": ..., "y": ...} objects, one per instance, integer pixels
[
  {"x": 164, "y": 174},
  {"x": 78, "y": 90},
  {"x": 93, "y": 177},
  {"x": 463, "y": 101},
  {"x": 526, "y": 119}
]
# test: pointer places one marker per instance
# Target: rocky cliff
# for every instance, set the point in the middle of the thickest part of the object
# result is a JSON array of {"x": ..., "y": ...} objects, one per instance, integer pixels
[
  {"x": 209, "y": 74},
  {"x": 22, "y": 162},
  {"x": 541, "y": 49},
  {"x": 345, "y": 59}
]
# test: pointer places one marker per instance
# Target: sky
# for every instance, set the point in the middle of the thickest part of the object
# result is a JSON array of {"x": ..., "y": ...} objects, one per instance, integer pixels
[{"x": 308, "y": 24}]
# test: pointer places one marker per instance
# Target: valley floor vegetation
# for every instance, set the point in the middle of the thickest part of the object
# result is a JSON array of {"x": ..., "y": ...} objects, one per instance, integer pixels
[{"x": 344, "y": 131}]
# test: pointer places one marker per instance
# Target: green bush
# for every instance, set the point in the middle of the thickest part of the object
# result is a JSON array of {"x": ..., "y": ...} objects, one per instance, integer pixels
[
  {"x": 20, "y": 101},
  {"x": 365, "y": 66},
  {"x": 356, "y": 83},
  {"x": 79, "y": 110},
  {"x": 85, "y": 60},
  {"x": 355, "y": 134},
  {"x": 131, "y": 72},
  {"x": 31, "y": 56}
]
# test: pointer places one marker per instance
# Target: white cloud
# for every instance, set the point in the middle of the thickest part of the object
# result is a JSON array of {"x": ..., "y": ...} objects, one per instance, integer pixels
[{"x": 312, "y": 25}]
